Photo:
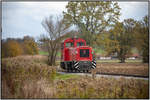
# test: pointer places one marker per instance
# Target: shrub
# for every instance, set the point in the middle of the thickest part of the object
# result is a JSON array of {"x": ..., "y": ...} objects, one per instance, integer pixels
[
  {"x": 30, "y": 47},
  {"x": 23, "y": 78},
  {"x": 26, "y": 78},
  {"x": 11, "y": 48}
]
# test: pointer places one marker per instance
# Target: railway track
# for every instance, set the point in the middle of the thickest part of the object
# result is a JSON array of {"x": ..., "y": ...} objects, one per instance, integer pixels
[{"x": 107, "y": 75}]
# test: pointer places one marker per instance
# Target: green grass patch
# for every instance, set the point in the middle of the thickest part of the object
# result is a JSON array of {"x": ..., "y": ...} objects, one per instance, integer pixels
[
  {"x": 59, "y": 54},
  {"x": 107, "y": 60},
  {"x": 65, "y": 76},
  {"x": 98, "y": 51},
  {"x": 136, "y": 60},
  {"x": 43, "y": 53},
  {"x": 116, "y": 60},
  {"x": 46, "y": 53}
]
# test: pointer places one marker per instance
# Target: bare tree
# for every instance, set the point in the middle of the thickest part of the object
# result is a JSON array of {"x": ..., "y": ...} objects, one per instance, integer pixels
[{"x": 55, "y": 28}]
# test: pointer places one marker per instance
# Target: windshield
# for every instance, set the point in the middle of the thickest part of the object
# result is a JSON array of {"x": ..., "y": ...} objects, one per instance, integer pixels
[
  {"x": 80, "y": 44},
  {"x": 69, "y": 44},
  {"x": 84, "y": 52}
]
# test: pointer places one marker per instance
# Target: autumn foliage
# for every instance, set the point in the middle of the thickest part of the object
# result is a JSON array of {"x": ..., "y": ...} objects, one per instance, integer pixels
[
  {"x": 29, "y": 45},
  {"x": 11, "y": 49},
  {"x": 16, "y": 47},
  {"x": 29, "y": 77}
]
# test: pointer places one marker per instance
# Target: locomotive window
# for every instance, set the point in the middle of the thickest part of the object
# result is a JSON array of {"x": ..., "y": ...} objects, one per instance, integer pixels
[
  {"x": 80, "y": 44},
  {"x": 69, "y": 44},
  {"x": 84, "y": 52}
]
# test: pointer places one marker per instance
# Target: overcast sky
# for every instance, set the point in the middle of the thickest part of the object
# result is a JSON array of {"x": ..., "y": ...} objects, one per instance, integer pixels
[{"x": 24, "y": 18}]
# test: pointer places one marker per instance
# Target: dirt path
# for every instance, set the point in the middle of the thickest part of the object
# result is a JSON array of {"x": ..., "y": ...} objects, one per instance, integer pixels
[{"x": 109, "y": 76}]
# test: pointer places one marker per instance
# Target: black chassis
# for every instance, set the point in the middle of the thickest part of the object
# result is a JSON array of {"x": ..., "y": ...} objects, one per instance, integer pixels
[{"x": 78, "y": 65}]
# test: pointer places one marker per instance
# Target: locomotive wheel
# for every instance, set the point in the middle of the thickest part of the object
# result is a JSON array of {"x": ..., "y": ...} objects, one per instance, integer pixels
[
  {"x": 71, "y": 70},
  {"x": 68, "y": 70},
  {"x": 77, "y": 70}
]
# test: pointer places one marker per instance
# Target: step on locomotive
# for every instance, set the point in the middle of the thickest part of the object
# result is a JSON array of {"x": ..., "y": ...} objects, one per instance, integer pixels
[{"x": 76, "y": 55}]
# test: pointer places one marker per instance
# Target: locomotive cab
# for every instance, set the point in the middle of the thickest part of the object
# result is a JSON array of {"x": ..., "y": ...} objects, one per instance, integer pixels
[{"x": 76, "y": 56}]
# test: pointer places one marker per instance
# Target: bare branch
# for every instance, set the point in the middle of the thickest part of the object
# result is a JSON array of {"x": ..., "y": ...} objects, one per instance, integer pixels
[{"x": 55, "y": 28}]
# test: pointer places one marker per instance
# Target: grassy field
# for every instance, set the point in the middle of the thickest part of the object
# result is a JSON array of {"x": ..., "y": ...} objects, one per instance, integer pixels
[
  {"x": 117, "y": 61},
  {"x": 46, "y": 53},
  {"x": 100, "y": 51},
  {"x": 31, "y": 77},
  {"x": 43, "y": 53}
]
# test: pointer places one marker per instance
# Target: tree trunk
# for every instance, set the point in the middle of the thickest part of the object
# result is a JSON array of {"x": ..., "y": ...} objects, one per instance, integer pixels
[
  {"x": 122, "y": 60},
  {"x": 145, "y": 59},
  {"x": 52, "y": 57},
  {"x": 145, "y": 56},
  {"x": 121, "y": 56},
  {"x": 49, "y": 60}
]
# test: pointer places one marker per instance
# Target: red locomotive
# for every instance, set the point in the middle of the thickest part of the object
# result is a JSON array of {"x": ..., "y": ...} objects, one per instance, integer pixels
[{"x": 76, "y": 56}]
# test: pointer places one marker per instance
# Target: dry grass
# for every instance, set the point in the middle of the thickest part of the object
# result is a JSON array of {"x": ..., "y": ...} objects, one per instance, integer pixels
[
  {"x": 30, "y": 77},
  {"x": 123, "y": 68},
  {"x": 21, "y": 76},
  {"x": 86, "y": 87}
]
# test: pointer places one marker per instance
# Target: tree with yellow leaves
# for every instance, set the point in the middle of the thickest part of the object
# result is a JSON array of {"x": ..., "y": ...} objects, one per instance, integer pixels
[
  {"x": 11, "y": 48},
  {"x": 119, "y": 39},
  {"x": 30, "y": 47}
]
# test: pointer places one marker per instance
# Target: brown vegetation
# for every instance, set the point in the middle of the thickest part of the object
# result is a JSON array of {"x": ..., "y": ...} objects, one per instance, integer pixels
[
  {"x": 21, "y": 73},
  {"x": 126, "y": 68},
  {"x": 30, "y": 77},
  {"x": 86, "y": 87}
]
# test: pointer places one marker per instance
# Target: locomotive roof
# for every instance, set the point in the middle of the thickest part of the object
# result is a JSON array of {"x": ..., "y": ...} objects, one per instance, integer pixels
[{"x": 73, "y": 39}]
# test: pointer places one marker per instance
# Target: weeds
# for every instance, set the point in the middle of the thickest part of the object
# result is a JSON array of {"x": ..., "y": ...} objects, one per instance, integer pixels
[
  {"x": 19, "y": 71},
  {"x": 29, "y": 77},
  {"x": 123, "y": 68}
]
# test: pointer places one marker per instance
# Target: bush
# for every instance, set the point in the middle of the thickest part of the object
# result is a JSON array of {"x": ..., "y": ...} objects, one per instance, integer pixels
[
  {"x": 24, "y": 78},
  {"x": 14, "y": 47},
  {"x": 30, "y": 47},
  {"x": 11, "y": 48}
]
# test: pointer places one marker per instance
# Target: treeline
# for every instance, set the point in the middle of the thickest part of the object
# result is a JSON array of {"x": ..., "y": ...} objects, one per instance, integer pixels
[
  {"x": 14, "y": 47},
  {"x": 98, "y": 23},
  {"x": 124, "y": 36}
]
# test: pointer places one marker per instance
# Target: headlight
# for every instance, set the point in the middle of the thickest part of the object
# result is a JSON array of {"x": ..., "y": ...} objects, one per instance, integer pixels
[{"x": 76, "y": 52}]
